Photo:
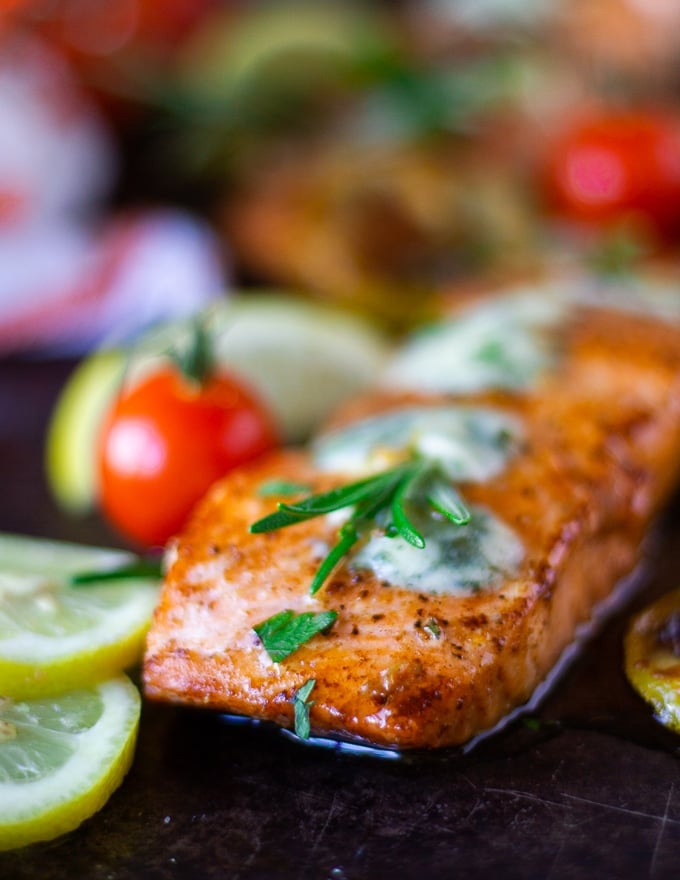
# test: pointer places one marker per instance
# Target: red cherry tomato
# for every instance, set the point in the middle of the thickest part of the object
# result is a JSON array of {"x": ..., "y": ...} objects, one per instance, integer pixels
[
  {"x": 108, "y": 42},
  {"x": 105, "y": 27},
  {"x": 618, "y": 166},
  {"x": 166, "y": 441}
]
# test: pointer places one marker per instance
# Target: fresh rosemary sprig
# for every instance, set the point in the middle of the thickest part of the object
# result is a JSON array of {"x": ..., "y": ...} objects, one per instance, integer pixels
[{"x": 387, "y": 495}]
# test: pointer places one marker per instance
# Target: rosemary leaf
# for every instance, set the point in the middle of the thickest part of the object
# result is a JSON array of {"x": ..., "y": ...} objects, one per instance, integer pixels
[
  {"x": 388, "y": 492},
  {"x": 277, "y": 520},
  {"x": 444, "y": 498},
  {"x": 400, "y": 519},
  {"x": 350, "y": 531},
  {"x": 372, "y": 487},
  {"x": 342, "y": 496},
  {"x": 348, "y": 537}
]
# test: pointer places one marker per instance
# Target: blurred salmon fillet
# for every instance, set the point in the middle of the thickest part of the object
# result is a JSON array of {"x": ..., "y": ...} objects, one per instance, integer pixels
[{"x": 406, "y": 669}]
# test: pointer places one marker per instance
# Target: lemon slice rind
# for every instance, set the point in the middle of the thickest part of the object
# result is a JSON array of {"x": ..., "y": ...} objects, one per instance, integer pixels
[{"x": 46, "y": 806}]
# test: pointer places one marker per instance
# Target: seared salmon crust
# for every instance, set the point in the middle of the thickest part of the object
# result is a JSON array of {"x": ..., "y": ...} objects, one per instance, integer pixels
[{"x": 599, "y": 457}]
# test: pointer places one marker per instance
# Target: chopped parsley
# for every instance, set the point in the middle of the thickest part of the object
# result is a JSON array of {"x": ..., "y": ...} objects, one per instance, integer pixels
[
  {"x": 285, "y": 632},
  {"x": 433, "y": 627},
  {"x": 301, "y": 707}
]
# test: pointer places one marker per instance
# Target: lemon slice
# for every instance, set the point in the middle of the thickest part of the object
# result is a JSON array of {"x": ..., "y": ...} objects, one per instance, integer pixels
[
  {"x": 54, "y": 636},
  {"x": 62, "y": 757},
  {"x": 302, "y": 358},
  {"x": 652, "y": 657},
  {"x": 80, "y": 409}
]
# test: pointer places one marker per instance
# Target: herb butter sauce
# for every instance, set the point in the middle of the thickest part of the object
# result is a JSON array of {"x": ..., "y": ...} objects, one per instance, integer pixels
[
  {"x": 655, "y": 297},
  {"x": 507, "y": 344},
  {"x": 457, "y": 560},
  {"x": 467, "y": 444},
  {"x": 470, "y": 443},
  {"x": 502, "y": 345}
]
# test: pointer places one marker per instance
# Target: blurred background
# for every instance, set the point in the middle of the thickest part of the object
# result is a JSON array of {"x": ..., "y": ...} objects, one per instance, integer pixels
[{"x": 157, "y": 155}]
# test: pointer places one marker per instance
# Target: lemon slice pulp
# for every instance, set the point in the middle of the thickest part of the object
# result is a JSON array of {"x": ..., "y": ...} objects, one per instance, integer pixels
[
  {"x": 62, "y": 757},
  {"x": 54, "y": 636}
]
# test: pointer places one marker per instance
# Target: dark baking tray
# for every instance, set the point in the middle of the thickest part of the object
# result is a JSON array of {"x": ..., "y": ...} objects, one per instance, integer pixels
[{"x": 588, "y": 786}]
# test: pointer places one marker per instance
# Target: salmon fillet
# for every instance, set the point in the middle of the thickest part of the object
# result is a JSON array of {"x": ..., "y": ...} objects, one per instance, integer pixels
[{"x": 412, "y": 668}]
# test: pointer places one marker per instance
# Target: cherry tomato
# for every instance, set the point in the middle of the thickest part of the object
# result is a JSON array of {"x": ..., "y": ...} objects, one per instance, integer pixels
[
  {"x": 105, "y": 27},
  {"x": 108, "y": 42},
  {"x": 618, "y": 166},
  {"x": 166, "y": 440}
]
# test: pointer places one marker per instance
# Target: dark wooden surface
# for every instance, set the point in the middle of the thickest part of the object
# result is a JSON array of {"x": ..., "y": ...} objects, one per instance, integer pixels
[{"x": 590, "y": 788}]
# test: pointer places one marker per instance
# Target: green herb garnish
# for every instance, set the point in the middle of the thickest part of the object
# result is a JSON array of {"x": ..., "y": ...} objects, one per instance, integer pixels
[
  {"x": 386, "y": 496},
  {"x": 281, "y": 487},
  {"x": 618, "y": 253},
  {"x": 137, "y": 568},
  {"x": 301, "y": 707},
  {"x": 286, "y": 631},
  {"x": 196, "y": 360},
  {"x": 433, "y": 627}
]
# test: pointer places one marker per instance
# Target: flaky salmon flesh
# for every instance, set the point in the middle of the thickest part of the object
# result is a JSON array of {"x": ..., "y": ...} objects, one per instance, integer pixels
[{"x": 407, "y": 668}]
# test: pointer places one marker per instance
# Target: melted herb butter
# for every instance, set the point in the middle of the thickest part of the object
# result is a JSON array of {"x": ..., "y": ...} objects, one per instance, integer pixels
[
  {"x": 503, "y": 344},
  {"x": 456, "y": 560},
  {"x": 470, "y": 443},
  {"x": 656, "y": 297},
  {"x": 483, "y": 14}
]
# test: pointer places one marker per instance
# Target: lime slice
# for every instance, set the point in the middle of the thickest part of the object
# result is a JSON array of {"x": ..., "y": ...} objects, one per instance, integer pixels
[
  {"x": 652, "y": 657},
  {"x": 302, "y": 358},
  {"x": 62, "y": 757},
  {"x": 70, "y": 461},
  {"x": 54, "y": 636}
]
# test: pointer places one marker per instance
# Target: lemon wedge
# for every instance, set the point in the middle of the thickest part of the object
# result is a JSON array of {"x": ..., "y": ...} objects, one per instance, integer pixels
[
  {"x": 55, "y": 636},
  {"x": 652, "y": 657},
  {"x": 302, "y": 358},
  {"x": 62, "y": 757}
]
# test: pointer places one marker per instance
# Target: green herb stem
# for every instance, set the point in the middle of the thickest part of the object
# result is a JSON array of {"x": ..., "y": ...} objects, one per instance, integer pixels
[
  {"x": 446, "y": 500},
  {"x": 348, "y": 538},
  {"x": 301, "y": 708},
  {"x": 197, "y": 361},
  {"x": 391, "y": 492},
  {"x": 137, "y": 568},
  {"x": 400, "y": 518}
]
